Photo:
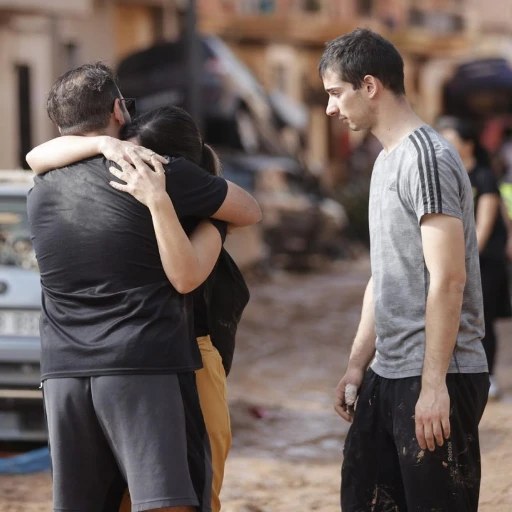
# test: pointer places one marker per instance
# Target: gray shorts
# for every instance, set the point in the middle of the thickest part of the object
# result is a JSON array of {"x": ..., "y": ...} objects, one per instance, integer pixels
[{"x": 147, "y": 427}]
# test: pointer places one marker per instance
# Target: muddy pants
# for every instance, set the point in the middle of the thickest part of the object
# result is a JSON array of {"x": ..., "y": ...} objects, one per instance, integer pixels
[{"x": 384, "y": 468}]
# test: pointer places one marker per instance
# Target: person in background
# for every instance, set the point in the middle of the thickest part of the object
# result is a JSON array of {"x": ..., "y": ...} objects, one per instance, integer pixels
[
  {"x": 491, "y": 231},
  {"x": 218, "y": 301},
  {"x": 504, "y": 159}
]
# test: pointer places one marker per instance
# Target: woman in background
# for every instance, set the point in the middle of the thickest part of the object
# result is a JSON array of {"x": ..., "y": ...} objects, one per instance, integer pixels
[{"x": 491, "y": 232}]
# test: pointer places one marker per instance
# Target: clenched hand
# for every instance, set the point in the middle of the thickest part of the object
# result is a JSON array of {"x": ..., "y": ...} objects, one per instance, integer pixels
[{"x": 343, "y": 402}]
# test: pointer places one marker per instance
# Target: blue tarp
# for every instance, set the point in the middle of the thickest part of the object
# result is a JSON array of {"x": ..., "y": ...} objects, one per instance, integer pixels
[{"x": 29, "y": 462}]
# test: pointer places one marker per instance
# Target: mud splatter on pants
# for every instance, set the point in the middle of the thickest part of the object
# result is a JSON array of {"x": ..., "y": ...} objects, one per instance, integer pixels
[{"x": 384, "y": 468}]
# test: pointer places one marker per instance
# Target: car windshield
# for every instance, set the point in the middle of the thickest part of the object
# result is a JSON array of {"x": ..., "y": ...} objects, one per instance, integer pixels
[{"x": 15, "y": 245}]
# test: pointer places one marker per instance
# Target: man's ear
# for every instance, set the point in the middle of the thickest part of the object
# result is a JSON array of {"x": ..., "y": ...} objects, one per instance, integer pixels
[
  {"x": 372, "y": 86},
  {"x": 118, "y": 112}
]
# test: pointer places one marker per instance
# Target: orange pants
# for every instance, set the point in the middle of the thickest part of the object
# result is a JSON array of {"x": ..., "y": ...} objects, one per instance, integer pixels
[{"x": 211, "y": 385}]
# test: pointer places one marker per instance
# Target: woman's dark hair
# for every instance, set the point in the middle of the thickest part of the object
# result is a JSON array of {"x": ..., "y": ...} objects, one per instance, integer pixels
[
  {"x": 364, "y": 52},
  {"x": 172, "y": 131},
  {"x": 81, "y": 100},
  {"x": 468, "y": 132}
]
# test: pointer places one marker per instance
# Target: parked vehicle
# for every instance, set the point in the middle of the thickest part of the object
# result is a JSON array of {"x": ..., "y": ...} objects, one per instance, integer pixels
[
  {"x": 238, "y": 113},
  {"x": 21, "y": 411}
]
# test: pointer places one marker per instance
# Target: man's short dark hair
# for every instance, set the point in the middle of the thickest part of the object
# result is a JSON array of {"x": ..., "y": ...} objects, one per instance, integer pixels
[
  {"x": 363, "y": 52},
  {"x": 81, "y": 100}
]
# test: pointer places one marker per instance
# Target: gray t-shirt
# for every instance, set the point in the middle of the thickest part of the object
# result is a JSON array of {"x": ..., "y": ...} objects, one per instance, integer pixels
[{"x": 423, "y": 175}]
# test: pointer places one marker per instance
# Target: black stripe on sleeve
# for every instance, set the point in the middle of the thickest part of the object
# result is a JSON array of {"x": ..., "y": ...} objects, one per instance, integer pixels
[
  {"x": 429, "y": 172},
  {"x": 422, "y": 173},
  {"x": 436, "y": 170}
]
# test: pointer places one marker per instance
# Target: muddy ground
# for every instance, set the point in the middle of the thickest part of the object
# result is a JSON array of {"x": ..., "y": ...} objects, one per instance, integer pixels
[{"x": 292, "y": 348}]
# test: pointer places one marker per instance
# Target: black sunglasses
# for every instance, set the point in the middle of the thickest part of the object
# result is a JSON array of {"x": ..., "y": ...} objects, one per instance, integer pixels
[{"x": 130, "y": 105}]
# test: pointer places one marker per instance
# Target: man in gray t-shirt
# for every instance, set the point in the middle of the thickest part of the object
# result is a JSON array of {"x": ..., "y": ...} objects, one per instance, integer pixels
[
  {"x": 416, "y": 383},
  {"x": 422, "y": 175}
]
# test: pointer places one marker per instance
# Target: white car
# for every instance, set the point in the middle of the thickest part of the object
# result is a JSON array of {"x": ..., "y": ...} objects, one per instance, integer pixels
[{"x": 21, "y": 407}]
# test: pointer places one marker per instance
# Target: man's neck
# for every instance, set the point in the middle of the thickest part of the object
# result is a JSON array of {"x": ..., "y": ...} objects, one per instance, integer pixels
[
  {"x": 111, "y": 130},
  {"x": 396, "y": 120},
  {"x": 93, "y": 134}
]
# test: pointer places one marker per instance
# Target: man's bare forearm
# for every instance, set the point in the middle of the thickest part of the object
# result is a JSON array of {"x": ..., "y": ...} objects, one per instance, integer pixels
[
  {"x": 363, "y": 348},
  {"x": 444, "y": 304}
]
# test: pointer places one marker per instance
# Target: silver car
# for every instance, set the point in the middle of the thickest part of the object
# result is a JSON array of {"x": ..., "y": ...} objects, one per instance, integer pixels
[{"x": 21, "y": 408}]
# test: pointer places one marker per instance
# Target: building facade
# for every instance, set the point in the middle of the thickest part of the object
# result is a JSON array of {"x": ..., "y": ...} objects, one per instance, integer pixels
[
  {"x": 41, "y": 40},
  {"x": 282, "y": 41}
]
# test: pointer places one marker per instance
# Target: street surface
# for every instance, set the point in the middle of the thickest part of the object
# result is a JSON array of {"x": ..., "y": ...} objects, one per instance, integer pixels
[{"x": 292, "y": 349}]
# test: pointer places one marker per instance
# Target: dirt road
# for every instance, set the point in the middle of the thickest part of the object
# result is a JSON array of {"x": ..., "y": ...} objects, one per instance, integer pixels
[{"x": 286, "y": 457}]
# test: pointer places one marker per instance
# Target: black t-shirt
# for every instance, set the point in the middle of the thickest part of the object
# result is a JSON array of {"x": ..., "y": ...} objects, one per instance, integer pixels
[
  {"x": 107, "y": 305},
  {"x": 483, "y": 182}
]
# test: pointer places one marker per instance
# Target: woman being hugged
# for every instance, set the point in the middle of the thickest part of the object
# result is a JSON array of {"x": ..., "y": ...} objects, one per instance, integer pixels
[{"x": 491, "y": 231}]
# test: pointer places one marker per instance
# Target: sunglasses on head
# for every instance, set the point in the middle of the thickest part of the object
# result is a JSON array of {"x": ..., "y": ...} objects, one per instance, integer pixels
[{"x": 130, "y": 105}]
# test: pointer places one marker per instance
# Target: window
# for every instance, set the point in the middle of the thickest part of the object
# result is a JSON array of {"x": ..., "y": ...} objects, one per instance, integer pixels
[
  {"x": 24, "y": 114},
  {"x": 158, "y": 15},
  {"x": 364, "y": 7},
  {"x": 267, "y": 6},
  {"x": 312, "y": 5},
  {"x": 257, "y": 6},
  {"x": 279, "y": 81},
  {"x": 71, "y": 55}
]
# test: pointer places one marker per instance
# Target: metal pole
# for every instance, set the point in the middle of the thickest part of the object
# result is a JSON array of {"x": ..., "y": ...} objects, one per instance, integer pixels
[{"x": 194, "y": 65}]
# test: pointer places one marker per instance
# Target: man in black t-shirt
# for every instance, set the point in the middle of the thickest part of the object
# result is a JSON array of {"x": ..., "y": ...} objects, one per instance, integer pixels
[{"x": 118, "y": 348}]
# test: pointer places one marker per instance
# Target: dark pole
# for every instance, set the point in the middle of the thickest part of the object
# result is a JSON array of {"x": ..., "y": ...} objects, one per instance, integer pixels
[{"x": 194, "y": 65}]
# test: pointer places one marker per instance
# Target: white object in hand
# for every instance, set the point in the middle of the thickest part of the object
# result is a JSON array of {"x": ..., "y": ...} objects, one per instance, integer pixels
[{"x": 350, "y": 394}]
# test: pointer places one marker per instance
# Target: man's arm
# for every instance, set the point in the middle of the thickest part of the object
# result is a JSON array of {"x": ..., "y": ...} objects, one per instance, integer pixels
[
  {"x": 444, "y": 253},
  {"x": 363, "y": 350},
  {"x": 239, "y": 208},
  {"x": 487, "y": 212}
]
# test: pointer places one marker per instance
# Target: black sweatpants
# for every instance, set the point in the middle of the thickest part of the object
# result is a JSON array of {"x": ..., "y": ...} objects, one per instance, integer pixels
[
  {"x": 384, "y": 468},
  {"x": 496, "y": 298}
]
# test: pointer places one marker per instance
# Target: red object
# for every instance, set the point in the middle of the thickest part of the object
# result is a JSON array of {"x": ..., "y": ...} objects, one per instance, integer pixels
[{"x": 258, "y": 412}]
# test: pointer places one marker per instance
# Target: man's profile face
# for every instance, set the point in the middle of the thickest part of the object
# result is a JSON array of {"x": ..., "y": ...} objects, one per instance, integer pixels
[{"x": 349, "y": 105}]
